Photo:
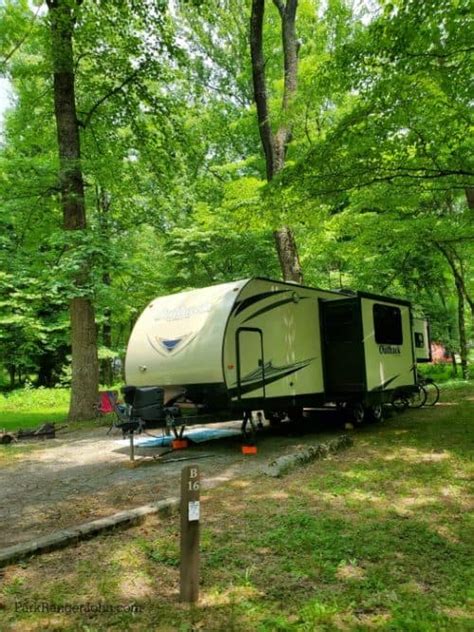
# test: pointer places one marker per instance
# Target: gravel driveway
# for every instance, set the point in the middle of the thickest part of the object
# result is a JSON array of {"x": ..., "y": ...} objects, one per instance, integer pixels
[{"x": 82, "y": 475}]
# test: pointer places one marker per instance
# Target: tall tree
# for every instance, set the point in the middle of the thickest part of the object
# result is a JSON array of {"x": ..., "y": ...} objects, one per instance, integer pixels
[
  {"x": 85, "y": 368},
  {"x": 275, "y": 143}
]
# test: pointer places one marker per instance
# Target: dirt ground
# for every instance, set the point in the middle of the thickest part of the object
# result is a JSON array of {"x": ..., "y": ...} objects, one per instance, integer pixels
[{"x": 83, "y": 475}]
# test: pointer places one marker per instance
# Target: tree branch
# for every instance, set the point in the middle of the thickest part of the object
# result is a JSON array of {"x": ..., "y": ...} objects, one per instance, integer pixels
[
  {"x": 20, "y": 42},
  {"x": 111, "y": 93},
  {"x": 280, "y": 6},
  {"x": 412, "y": 181},
  {"x": 424, "y": 173},
  {"x": 458, "y": 276},
  {"x": 290, "y": 62},
  {"x": 437, "y": 55}
]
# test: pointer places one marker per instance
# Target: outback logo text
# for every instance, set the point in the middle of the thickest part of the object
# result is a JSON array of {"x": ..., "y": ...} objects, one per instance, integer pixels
[{"x": 389, "y": 349}]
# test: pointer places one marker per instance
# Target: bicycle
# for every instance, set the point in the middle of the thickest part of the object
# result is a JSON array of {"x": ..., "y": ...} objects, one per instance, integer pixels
[
  {"x": 431, "y": 389},
  {"x": 424, "y": 393}
]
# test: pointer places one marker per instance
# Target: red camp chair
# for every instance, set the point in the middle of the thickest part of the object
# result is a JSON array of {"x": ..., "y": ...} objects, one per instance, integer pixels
[{"x": 107, "y": 402}]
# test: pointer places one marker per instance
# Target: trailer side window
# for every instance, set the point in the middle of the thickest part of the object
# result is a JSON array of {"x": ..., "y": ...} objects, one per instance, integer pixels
[
  {"x": 419, "y": 340},
  {"x": 387, "y": 324}
]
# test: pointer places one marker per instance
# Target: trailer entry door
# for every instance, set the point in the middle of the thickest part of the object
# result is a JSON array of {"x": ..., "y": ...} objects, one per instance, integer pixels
[
  {"x": 250, "y": 363},
  {"x": 344, "y": 365}
]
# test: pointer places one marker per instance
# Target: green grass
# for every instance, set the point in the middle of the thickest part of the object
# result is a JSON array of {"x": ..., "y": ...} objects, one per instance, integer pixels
[
  {"x": 26, "y": 408},
  {"x": 442, "y": 372},
  {"x": 379, "y": 537},
  {"x": 30, "y": 407}
]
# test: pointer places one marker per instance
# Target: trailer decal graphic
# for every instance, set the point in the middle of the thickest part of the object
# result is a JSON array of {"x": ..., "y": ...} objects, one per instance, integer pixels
[
  {"x": 385, "y": 384},
  {"x": 182, "y": 313},
  {"x": 268, "y": 308},
  {"x": 168, "y": 346},
  {"x": 239, "y": 306},
  {"x": 253, "y": 380}
]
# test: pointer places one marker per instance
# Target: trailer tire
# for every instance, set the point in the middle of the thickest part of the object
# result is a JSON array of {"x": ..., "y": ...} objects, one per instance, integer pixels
[
  {"x": 274, "y": 418},
  {"x": 357, "y": 413},
  {"x": 295, "y": 414},
  {"x": 375, "y": 413},
  {"x": 297, "y": 421}
]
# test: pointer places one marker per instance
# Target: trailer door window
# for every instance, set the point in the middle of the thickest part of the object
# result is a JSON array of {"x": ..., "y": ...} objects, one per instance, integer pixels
[
  {"x": 387, "y": 325},
  {"x": 339, "y": 325},
  {"x": 419, "y": 340}
]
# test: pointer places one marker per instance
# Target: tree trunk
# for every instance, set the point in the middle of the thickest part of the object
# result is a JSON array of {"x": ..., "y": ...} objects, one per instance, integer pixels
[
  {"x": 454, "y": 365},
  {"x": 50, "y": 364},
  {"x": 103, "y": 202},
  {"x": 463, "y": 351},
  {"x": 12, "y": 374},
  {"x": 449, "y": 347},
  {"x": 106, "y": 363},
  {"x": 290, "y": 62},
  {"x": 47, "y": 362},
  {"x": 470, "y": 196},
  {"x": 274, "y": 145},
  {"x": 456, "y": 264},
  {"x": 85, "y": 374},
  {"x": 260, "y": 85},
  {"x": 288, "y": 254}
]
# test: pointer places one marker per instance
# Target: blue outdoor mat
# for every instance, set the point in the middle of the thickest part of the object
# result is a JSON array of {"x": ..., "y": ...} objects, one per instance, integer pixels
[{"x": 199, "y": 435}]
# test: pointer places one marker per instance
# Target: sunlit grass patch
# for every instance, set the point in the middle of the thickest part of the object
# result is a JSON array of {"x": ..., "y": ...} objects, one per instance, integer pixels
[
  {"x": 12, "y": 453},
  {"x": 26, "y": 408},
  {"x": 30, "y": 407}
]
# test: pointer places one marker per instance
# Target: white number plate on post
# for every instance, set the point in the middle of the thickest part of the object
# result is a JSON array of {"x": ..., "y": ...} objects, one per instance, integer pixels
[{"x": 193, "y": 510}]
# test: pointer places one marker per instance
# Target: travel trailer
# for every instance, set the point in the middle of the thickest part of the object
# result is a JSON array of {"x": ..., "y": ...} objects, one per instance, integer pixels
[{"x": 259, "y": 344}]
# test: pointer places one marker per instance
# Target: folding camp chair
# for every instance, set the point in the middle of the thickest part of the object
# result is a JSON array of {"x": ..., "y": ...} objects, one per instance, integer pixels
[
  {"x": 107, "y": 399},
  {"x": 124, "y": 419},
  {"x": 108, "y": 403}
]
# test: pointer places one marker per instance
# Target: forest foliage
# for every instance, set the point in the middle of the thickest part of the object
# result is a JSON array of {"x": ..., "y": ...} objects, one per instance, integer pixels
[{"x": 377, "y": 186}]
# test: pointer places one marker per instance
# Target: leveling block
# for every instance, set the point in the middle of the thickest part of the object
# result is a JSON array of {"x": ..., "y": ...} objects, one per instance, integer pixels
[
  {"x": 249, "y": 449},
  {"x": 179, "y": 444}
]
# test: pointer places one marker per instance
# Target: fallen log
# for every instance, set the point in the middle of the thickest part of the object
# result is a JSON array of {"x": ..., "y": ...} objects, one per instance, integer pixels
[
  {"x": 6, "y": 438},
  {"x": 45, "y": 431},
  {"x": 284, "y": 464}
]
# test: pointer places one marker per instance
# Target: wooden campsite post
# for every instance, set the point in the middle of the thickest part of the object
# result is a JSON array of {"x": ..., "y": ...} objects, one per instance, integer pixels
[{"x": 190, "y": 516}]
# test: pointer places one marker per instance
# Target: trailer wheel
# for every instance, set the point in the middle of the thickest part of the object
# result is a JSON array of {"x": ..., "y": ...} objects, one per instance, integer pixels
[
  {"x": 375, "y": 413},
  {"x": 295, "y": 416},
  {"x": 274, "y": 418},
  {"x": 358, "y": 413}
]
